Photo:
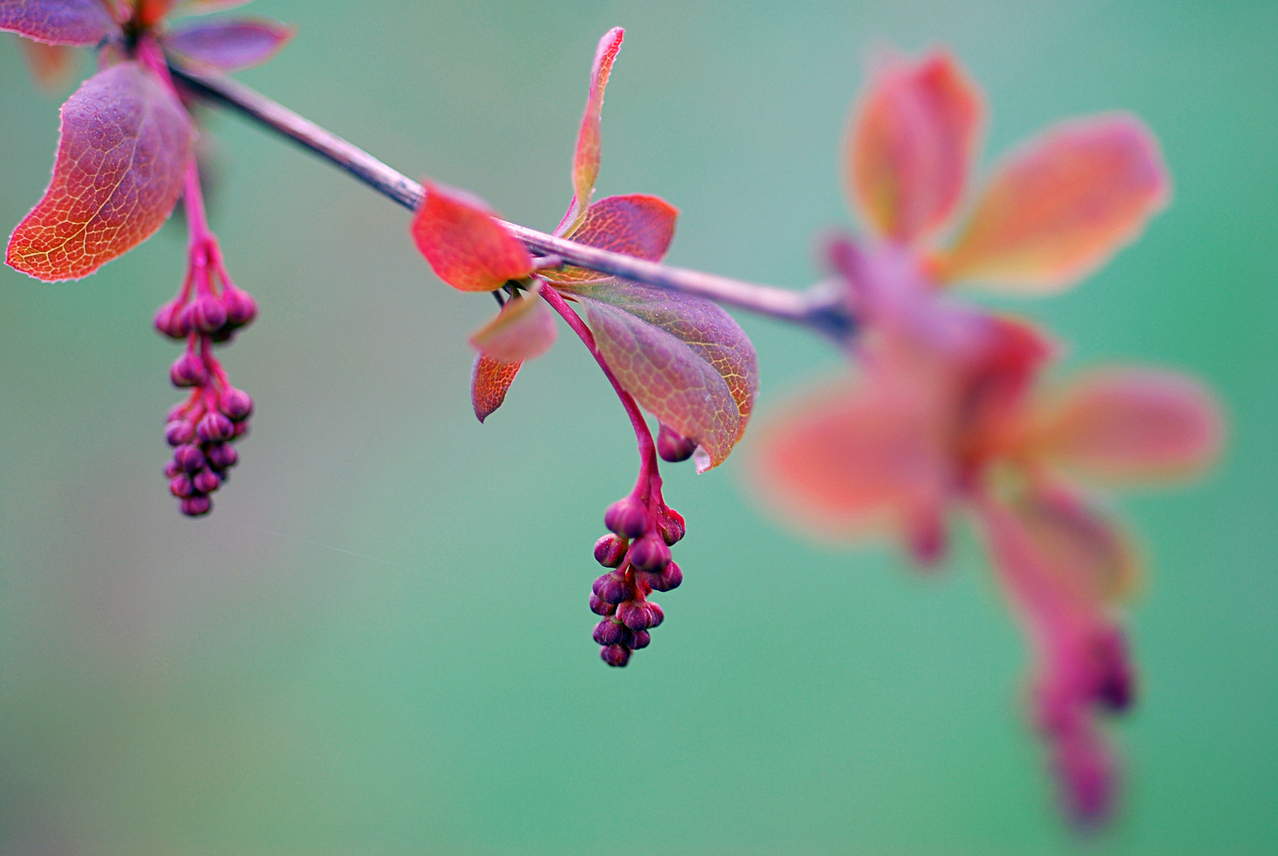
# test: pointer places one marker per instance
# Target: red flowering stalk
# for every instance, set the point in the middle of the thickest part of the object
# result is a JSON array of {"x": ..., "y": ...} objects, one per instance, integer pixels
[
  {"x": 680, "y": 357},
  {"x": 945, "y": 413},
  {"x": 125, "y": 155}
]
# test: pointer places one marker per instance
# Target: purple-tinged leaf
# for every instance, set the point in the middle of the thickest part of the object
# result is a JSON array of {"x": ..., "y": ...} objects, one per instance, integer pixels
[
  {"x": 122, "y": 156},
  {"x": 525, "y": 328},
  {"x": 683, "y": 358},
  {"x": 635, "y": 225},
  {"x": 229, "y": 45},
  {"x": 58, "y": 22},
  {"x": 489, "y": 381}
]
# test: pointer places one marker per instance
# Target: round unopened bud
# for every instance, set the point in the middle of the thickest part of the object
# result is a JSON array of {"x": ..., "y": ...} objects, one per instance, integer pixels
[
  {"x": 673, "y": 446},
  {"x": 241, "y": 308},
  {"x": 189, "y": 457},
  {"x": 241, "y": 429},
  {"x": 639, "y": 616},
  {"x": 669, "y": 578},
  {"x": 222, "y": 455},
  {"x": 627, "y": 517},
  {"x": 610, "y": 551},
  {"x": 615, "y": 655},
  {"x": 215, "y": 427},
  {"x": 649, "y": 554},
  {"x": 180, "y": 486},
  {"x": 206, "y": 481},
  {"x": 207, "y": 314},
  {"x": 637, "y": 639},
  {"x": 599, "y": 606},
  {"x": 670, "y": 525},
  {"x": 188, "y": 370},
  {"x": 179, "y": 431},
  {"x": 172, "y": 468},
  {"x": 235, "y": 403},
  {"x": 609, "y": 632},
  {"x": 194, "y": 506},
  {"x": 613, "y": 588},
  {"x": 168, "y": 321}
]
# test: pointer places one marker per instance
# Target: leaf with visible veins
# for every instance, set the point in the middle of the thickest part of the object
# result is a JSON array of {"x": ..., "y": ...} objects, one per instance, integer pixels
[
  {"x": 58, "y": 22},
  {"x": 636, "y": 225},
  {"x": 229, "y": 45},
  {"x": 585, "y": 161},
  {"x": 489, "y": 381},
  {"x": 681, "y": 357},
  {"x": 122, "y": 155}
]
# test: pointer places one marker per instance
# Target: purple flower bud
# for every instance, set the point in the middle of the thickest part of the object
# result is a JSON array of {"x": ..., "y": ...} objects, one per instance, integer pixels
[
  {"x": 615, "y": 655},
  {"x": 241, "y": 429},
  {"x": 172, "y": 469},
  {"x": 610, "y": 551},
  {"x": 673, "y": 446},
  {"x": 194, "y": 506},
  {"x": 649, "y": 553},
  {"x": 669, "y": 578},
  {"x": 235, "y": 403},
  {"x": 613, "y": 588},
  {"x": 241, "y": 308},
  {"x": 207, "y": 314},
  {"x": 188, "y": 370},
  {"x": 222, "y": 455},
  {"x": 637, "y": 639},
  {"x": 179, "y": 431},
  {"x": 609, "y": 632},
  {"x": 215, "y": 427},
  {"x": 627, "y": 517},
  {"x": 670, "y": 525},
  {"x": 180, "y": 486},
  {"x": 168, "y": 321},
  {"x": 189, "y": 457},
  {"x": 206, "y": 481},
  {"x": 599, "y": 606},
  {"x": 640, "y": 616}
]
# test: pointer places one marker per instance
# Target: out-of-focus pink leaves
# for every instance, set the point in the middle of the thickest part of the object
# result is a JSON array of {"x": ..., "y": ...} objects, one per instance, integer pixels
[
  {"x": 523, "y": 329},
  {"x": 58, "y": 22},
  {"x": 463, "y": 243},
  {"x": 149, "y": 12},
  {"x": 636, "y": 225},
  {"x": 911, "y": 146},
  {"x": 50, "y": 65},
  {"x": 489, "y": 381},
  {"x": 585, "y": 162},
  {"x": 1131, "y": 425},
  {"x": 683, "y": 359},
  {"x": 229, "y": 45},
  {"x": 122, "y": 155},
  {"x": 1061, "y": 206}
]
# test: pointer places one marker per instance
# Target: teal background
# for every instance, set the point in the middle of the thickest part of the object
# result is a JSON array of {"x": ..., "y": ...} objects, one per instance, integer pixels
[{"x": 379, "y": 642}]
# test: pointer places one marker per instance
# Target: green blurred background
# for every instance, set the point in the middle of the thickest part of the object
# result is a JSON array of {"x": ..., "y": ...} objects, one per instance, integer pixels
[{"x": 379, "y": 642}]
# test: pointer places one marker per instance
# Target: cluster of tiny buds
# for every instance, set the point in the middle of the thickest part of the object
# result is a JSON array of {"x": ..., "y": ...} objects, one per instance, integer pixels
[
  {"x": 201, "y": 431},
  {"x": 637, "y": 552},
  {"x": 217, "y": 316}
]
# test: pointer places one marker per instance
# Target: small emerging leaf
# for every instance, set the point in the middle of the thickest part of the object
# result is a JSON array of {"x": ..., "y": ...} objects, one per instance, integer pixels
[
  {"x": 58, "y": 22},
  {"x": 230, "y": 45},
  {"x": 635, "y": 225},
  {"x": 585, "y": 162},
  {"x": 1062, "y": 206},
  {"x": 525, "y": 328},
  {"x": 467, "y": 249},
  {"x": 122, "y": 156},
  {"x": 683, "y": 358},
  {"x": 489, "y": 381}
]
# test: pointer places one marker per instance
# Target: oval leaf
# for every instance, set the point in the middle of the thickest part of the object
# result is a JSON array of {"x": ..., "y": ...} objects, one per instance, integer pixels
[
  {"x": 683, "y": 358},
  {"x": 489, "y": 381},
  {"x": 635, "y": 225},
  {"x": 122, "y": 156},
  {"x": 525, "y": 328},
  {"x": 230, "y": 45},
  {"x": 466, "y": 247},
  {"x": 1061, "y": 206},
  {"x": 58, "y": 22},
  {"x": 911, "y": 146}
]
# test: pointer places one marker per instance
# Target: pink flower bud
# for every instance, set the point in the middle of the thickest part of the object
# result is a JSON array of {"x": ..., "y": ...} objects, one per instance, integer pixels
[
  {"x": 188, "y": 370},
  {"x": 615, "y": 655},
  {"x": 673, "y": 446},
  {"x": 235, "y": 403},
  {"x": 627, "y": 517}
]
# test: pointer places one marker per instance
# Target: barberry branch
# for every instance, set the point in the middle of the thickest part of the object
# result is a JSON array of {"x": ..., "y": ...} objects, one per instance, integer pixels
[{"x": 820, "y": 307}]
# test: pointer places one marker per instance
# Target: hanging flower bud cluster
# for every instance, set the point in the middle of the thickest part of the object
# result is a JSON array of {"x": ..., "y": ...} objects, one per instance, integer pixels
[{"x": 209, "y": 309}]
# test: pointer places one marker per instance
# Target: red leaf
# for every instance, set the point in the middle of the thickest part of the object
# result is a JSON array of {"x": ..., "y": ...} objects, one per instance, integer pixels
[
  {"x": 230, "y": 45},
  {"x": 635, "y": 225},
  {"x": 121, "y": 159},
  {"x": 58, "y": 22},
  {"x": 489, "y": 381},
  {"x": 585, "y": 161},
  {"x": 467, "y": 249}
]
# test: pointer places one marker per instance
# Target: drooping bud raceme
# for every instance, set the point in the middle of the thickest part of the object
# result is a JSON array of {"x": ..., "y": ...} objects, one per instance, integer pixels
[{"x": 209, "y": 309}]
